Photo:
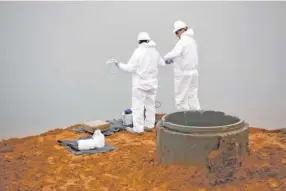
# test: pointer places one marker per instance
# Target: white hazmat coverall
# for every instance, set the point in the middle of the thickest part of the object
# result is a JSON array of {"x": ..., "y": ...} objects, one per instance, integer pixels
[
  {"x": 144, "y": 64},
  {"x": 185, "y": 56}
]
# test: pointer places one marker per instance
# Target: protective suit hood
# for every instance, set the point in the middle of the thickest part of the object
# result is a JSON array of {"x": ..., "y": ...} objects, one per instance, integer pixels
[
  {"x": 150, "y": 44},
  {"x": 189, "y": 33}
]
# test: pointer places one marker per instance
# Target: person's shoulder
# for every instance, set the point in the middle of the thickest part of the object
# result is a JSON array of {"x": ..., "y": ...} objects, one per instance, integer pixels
[
  {"x": 181, "y": 42},
  {"x": 137, "y": 49},
  {"x": 187, "y": 40},
  {"x": 137, "y": 52}
]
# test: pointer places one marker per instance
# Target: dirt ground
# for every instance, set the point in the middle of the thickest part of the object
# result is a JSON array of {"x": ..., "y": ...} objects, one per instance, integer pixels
[{"x": 39, "y": 163}]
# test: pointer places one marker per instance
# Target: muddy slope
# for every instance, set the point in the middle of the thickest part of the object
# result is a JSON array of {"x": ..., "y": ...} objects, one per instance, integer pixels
[{"x": 39, "y": 163}]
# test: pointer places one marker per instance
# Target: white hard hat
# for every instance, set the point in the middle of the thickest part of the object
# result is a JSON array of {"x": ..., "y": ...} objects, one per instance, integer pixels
[
  {"x": 179, "y": 25},
  {"x": 143, "y": 36}
]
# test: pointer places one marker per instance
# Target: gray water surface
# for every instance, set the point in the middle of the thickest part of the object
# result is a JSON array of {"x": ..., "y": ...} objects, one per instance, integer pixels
[{"x": 53, "y": 71}]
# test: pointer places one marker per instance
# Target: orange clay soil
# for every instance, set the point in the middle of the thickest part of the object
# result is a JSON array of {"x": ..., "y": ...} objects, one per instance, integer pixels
[{"x": 39, "y": 163}]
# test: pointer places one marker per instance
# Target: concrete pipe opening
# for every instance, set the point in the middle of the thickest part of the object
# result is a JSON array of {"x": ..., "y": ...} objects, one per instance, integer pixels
[{"x": 192, "y": 137}]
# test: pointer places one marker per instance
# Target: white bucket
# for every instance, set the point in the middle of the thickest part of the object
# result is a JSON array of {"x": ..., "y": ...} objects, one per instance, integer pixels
[{"x": 127, "y": 119}]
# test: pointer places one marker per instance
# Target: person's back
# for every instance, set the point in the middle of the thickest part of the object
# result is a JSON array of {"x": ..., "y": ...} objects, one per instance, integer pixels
[
  {"x": 191, "y": 52},
  {"x": 188, "y": 61},
  {"x": 146, "y": 75}
]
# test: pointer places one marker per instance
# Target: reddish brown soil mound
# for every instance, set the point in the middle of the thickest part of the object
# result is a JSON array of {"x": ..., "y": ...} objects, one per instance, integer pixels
[{"x": 39, "y": 163}]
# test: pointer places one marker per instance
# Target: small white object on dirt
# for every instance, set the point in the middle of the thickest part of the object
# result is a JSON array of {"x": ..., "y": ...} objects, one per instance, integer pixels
[
  {"x": 127, "y": 119},
  {"x": 97, "y": 141},
  {"x": 86, "y": 144}
]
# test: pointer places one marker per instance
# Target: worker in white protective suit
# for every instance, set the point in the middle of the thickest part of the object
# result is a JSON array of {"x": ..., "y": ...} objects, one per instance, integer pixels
[
  {"x": 185, "y": 58},
  {"x": 143, "y": 65}
]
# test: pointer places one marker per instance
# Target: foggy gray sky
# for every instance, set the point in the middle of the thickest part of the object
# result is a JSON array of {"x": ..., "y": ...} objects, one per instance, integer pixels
[{"x": 53, "y": 71}]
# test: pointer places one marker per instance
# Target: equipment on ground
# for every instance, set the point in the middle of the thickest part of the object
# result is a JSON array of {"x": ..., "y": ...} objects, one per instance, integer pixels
[
  {"x": 97, "y": 141},
  {"x": 127, "y": 118}
]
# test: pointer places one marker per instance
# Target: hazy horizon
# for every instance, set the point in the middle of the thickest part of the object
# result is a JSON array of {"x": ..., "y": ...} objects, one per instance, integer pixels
[{"x": 53, "y": 54}]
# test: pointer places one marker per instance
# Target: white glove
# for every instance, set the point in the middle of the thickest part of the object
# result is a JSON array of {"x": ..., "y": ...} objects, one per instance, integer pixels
[{"x": 112, "y": 61}]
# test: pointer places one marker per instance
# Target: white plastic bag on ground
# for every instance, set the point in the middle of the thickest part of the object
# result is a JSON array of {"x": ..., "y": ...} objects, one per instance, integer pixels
[
  {"x": 86, "y": 144},
  {"x": 97, "y": 141}
]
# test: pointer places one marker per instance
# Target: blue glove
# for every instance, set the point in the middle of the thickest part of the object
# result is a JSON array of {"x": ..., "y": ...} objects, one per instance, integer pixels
[{"x": 169, "y": 61}]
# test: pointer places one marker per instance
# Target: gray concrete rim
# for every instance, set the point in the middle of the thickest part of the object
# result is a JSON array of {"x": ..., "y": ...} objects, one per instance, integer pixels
[{"x": 202, "y": 129}]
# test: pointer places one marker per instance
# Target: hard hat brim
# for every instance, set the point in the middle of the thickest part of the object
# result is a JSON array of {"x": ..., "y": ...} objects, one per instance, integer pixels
[{"x": 176, "y": 30}]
